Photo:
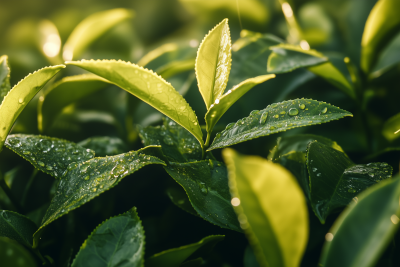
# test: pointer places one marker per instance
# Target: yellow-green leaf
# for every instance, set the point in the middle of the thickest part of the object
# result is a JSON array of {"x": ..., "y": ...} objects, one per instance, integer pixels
[
  {"x": 5, "y": 86},
  {"x": 391, "y": 128},
  {"x": 382, "y": 23},
  {"x": 271, "y": 209},
  {"x": 213, "y": 63},
  {"x": 149, "y": 87},
  {"x": 20, "y": 95},
  {"x": 91, "y": 29}
]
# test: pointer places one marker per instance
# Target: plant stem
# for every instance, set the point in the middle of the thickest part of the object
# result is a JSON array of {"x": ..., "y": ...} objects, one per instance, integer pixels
[{"x": 206, "y": 144}]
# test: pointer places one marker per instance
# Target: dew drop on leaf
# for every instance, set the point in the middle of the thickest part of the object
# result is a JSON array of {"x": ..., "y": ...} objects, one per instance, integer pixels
[
  {"x": 264, "y": 117},
  {"x": 324, "y": 110},
  {"x": 302, "y": 106},
  {"x": 293, "y": 111}
]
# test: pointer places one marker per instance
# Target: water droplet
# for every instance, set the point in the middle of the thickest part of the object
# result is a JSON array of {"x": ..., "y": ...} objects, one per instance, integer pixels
[
  {"x": 21, "y": 100},
  {"x": 49, "y": 168},
  {"x": 5, "y": 216},
  {"x": 302, "y": 106},
  {"x": 318, "y": 174},
  {"x": 283, "y": 112},
  {"x": 168, "y": 140},
  {"x": 216, "y": 101},
  {"x": 40, "y": 163},
  {"x": 276, "y": 116},
  {"x": 264, "y": 117},
  {"x": 293, "y": 111},
  {"x": 351, "y": 190},
  {"x": 203, "y": 188},
  {"x": 26, "y": 152},
  {"x": 314, "y": 169},
  {"x": 371, "y": 174},
  {"x": 324, "y": 110},
  {"x": 230, "y": 125},
  {"x": 272, "y": 128}
]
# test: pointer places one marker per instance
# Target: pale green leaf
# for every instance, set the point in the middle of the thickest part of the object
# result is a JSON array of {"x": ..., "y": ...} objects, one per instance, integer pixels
[
  {"x": 20, "y": 95},
  {"x": 118, "y": 241},
  {"x": 17, "y": 227},
  {"x": 5, "y": 86},
  {"x": 19, "y": 256},
  {"x": 149, "y": 87},
  {"x": 391, "y": 128},
  {"x": 87, "y": 180},
  {"x": 362, "y": 232},
  {"x": 91, "y": 28},
  {"x": 48, "y": 154},
  {"x": 277, "y": 118},
  {"x": 227, "y": 100},
  {"x": 213, "y": 63},
  {"x": 271, "y": 209},
  {"x": 382, "y": 23},
  {"x": 176, "y": 256}
]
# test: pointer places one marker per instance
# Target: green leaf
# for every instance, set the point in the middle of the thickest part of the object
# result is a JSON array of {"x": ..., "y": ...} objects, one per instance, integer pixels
[
  {"x": 13, "y": 254},
  {"x": 391, "y": 128},
  {"x": 213, "y": 63},
  {"x": 335, "y": 180},
  {"x": 65, "y": 92},
  {"x": 277, "y": 118},
  {"x": 285, "y": 58},
  {"x": 216, "y": 110},
  {"x": 87, "y": 180},
  {"x": 193, "y": 263},
  {"x": 20, "y": 95},
  {"x": 91, "y": 28},
  {"x": 388, "y": 58},
  {"x": 149, "y": 87},
  {"x": 104, "y": 145},
  {"x": 382, "y": 23},
  {"x": 361, "y": 233},
  {"x": 271, "y": 209},
  {"x": 5, "y": 86},
  {"x": 206, "y": 184},
  {"x": 48, "y": 154},
  {"x": 177, "y": 144},
  {"x": 180, "y": 199},
  {"x": 17, "y": 227},
  {"x": 176, "y": 256},
  {"x": 118, "y": 241}
]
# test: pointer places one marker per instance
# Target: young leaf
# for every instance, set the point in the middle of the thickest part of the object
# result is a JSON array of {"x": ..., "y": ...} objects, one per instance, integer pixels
[
  {"x": 335, "y": 180},
  {"x": 180, "y": 199},
  {"x": 216, "y": 110},
  {"x": 20, "y": 95},
  {"x": 213, "y": 63},
  {"x": 118, "y": 241},
  {"x": 5, "y": 86},
  {"x": 271, "y": 209},
  {"x": 361, "y": 233},
  {"x": 48, "y": 154},
  {"x": 13, "y": 254},
  {"x": 206, "y": 184},
  {"x": 17, "y": 227},
  {"x": 87, "y": 180},
  {"x": 382, "y": 23},
  {"x": 391, "y": 128},
  {"x": 64, "y": 92},
  {"x": 91, "y": 28},
  {"x": 104, "y": 145},
  {"x": 149, "y": 87},
  {"x": 277, "y": 118},
  {"x": 176, "y": 256}
]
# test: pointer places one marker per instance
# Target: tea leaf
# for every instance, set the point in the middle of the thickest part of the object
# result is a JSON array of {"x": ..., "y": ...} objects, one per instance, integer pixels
[
  {"x": 382, "y": 23},
  {"x": 64, "y": 92},
  {"x": 206, "y": 184},
  {"x": 335, "y": 180},
  {"x": 48, "y": 154},
  {"x": 176, "y": 256},
  {"x": 180, "y": 199},
  {"x": 213, "y": 63},
  {"x": 17, "y": 227},
  {"x": 87, "y": 180},
  {"x": 391, "y": 128},
  {"x": 19, "y": 256},
  {"x": 104, "y": 145},
  {"x": 277, "y": 118},
  {"x": 227, "y": 100},
  {"x": 149, "y": 87},
  {"x": 20, "y": 95},
  {"x": 91, "y": 28},
  {"x": 5, "y": 86},
  {"x": 267, "y": 200},
  {"x": 362, "y": 232},
  {"x": 118, "y": 241}
]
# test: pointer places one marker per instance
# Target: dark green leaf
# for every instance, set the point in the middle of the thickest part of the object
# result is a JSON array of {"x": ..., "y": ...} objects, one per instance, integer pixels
[
  {"x": 13, "y": 254},
  {"x": 5, "y": 86},
  {"x": 104, "y": 145},
  {"x": 119, "y": 241},
  {"x": 364, "y": 229},
  {"x": 180, "y": 199},
  {"x": 335, "y": 180},
  {"x": 48, "y": 154},
  {"x": 249, "y": 259},
  {"x": 176, "y": 256},
  {"x": 206, "y": 184},
  {"x": 87, "y": 180},
  {"x": 193, "y": 263},
  {"x": 17, "y": 227},
  {"x": 277, "y": 118}
]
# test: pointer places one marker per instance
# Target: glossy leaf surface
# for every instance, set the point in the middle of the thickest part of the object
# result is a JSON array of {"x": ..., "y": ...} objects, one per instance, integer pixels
[
  {"x": 277, "y": 118},
  {"x": 361, "y": 233},
  {"x": 20, "y": 95},
  {"x": 149, "y": 87},
  {"x": 180, "y": 199},
  {"x": 335, "y": 180},
  {"x": 104, "y": 145},
  {"x": 5, "y": 86},
  {"x": 17, "y": 227},
  {"x": 176, "y": 256},
  {"x": 119, "y": 241},
  {"x": 206, "y": 184},
  {"x": 271, "y": 209},
  {"x": 391, "y": 127},
  {"x": 85, "y": 181},
  {"x": 13, "y": 254},
  {"x": 90, "y": 29},
  {"x": 213, "y": 63},
  {"x": 227, "y": 100},
  {"x": 48, "y": 154}
]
